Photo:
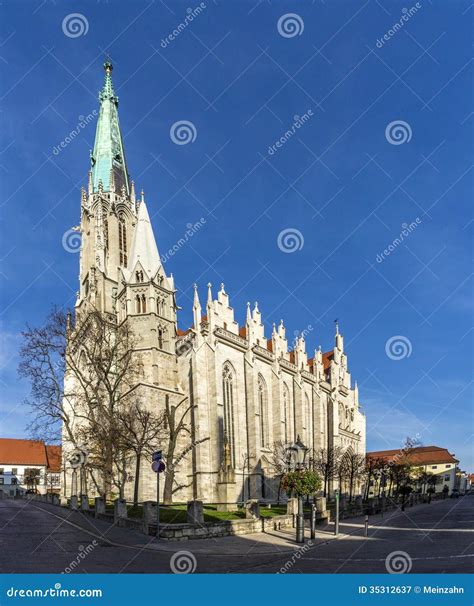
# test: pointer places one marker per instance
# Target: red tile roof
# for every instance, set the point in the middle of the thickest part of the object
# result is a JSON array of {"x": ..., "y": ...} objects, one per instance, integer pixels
[
  {"x": 53, "y": 453},
  {"x": 421, "y": 455},
  {"x": 22, "y": 452},
  {"x": 30, "y": 452}
]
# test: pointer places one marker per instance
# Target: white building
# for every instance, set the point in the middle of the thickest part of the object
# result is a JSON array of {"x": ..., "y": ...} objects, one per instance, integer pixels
[
  {"x": 29, "y": 465},
  {"x": 249, "y": 388}
]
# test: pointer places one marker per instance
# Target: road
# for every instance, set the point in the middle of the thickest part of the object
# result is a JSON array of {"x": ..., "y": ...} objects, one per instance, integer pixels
[{"x": 436, "y": 538}]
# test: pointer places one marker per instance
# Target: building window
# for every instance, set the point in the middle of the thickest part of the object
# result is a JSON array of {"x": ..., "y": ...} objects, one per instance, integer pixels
[
  {"x": 2, "y": 471},
  {"x": 448, "y": 466},
  {"x": 228, "y": 398},
  {"x": 262, "y": 411},
  {"x": 122, "y": 242},
  {"x": 138, "y": 305},
  {"x": 13, "y": 481},
  {"x": 307, "y": 419},
  {"x": 160, "y": 338},
  {"x": 14, "y": 470},
  {"x": 446, "y": 478},
  {"x": 434, "y": 467},
  {"x": 143, "y": 304},
  {"x": 2, "y": 481},
  {"x": 286, "y": 414},
  {"x": 139, "y": 276}
]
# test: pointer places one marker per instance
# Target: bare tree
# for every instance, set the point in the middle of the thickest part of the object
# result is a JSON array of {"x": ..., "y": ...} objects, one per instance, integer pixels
[
  {"x": 177, "y": 419},
  {"x": 352, "y": 467},
  {"x": 141, "y": 432},
  {"x": 326, "y": 461},
  {"x": 42, "y": 362},
  {"x": 280, "y": 462},
  {"x": 81, "y": 376}
]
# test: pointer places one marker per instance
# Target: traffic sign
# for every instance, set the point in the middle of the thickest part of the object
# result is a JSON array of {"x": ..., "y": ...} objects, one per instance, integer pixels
[
  {"x": 158, "y": 466},
  {"x": 157, "y": 456}
]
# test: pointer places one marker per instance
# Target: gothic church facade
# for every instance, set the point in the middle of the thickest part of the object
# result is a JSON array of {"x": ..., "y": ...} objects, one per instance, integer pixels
[{"x": 249, "y": 390}]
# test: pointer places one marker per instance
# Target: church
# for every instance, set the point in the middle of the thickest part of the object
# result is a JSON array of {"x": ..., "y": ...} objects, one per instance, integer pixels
[{"x": 249, "y": 389}]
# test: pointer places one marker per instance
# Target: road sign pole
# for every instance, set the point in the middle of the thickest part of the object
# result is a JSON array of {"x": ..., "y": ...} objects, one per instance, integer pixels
[{"x": 157, "y": 506}]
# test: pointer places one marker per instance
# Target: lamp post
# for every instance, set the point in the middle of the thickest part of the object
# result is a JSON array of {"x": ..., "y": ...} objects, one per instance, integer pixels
[{"x": 297, "y": 452}]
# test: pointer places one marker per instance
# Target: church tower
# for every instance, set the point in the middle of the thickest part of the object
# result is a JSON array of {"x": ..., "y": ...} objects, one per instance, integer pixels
[{"x": 108, "y": 209}]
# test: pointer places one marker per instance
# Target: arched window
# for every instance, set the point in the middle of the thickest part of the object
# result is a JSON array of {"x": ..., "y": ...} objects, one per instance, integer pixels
[
  {"x": 122, "y": 241},
  {"x": 286, "y": 414},
  {"x": 228, "y": 399},
  {"x": 263, "y": 411},
  {"x": 143, "y": 304},
  {"x": 138, "y": 304},
  {"x": 139, "y": 276},
  {"x": 160, "y": 338},
  {"x": 307, "y": 419}
]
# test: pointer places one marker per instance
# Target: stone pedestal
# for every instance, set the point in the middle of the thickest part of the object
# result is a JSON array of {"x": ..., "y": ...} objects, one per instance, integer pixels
[
  {"x": 149, "y": 515},
  {"x": 73, "y": 503},
  {"x": 292, "y": 506},
  {"x": 120, "y": 509},
  {"x": 84, "y": 502},
  {"x": 252, "y": 510},
  {"x": 99, "y": 506},
  {"x": 320, "y": 503},
  {"x": 195, "y": 513},
  {"x": 55, "y": 499},
  {"x": 226, "y": 490}
]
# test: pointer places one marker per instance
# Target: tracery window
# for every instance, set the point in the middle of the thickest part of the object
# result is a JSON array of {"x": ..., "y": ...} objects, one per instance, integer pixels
[
  {"x": 228, "y": 399},
  {"x": 263, "y": 411}
]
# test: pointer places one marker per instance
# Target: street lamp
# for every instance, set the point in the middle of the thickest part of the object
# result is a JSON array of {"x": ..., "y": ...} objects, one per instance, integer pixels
[{"x": 297, "y": 455}]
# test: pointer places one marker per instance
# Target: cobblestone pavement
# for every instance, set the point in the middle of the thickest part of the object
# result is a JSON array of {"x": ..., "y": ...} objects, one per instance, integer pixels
[{"x": 436, "y": 537}]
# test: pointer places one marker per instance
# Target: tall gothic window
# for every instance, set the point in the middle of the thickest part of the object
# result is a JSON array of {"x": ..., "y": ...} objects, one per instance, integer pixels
[
  {"x": 160, "y": 338},
  {"x": 228, "y": 397},
  {"x": 138, "y": 306},
  {"x": 143, "y": 304},
  {"x": 307, "y": 419},
  {"x": 122, "y": 241},
  {"x": 263, "y": 411},
  {"x": 286, "y": 414}
]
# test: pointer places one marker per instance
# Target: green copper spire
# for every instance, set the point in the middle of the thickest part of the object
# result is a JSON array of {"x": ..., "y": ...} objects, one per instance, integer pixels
[{"x": 108, "y": 156}]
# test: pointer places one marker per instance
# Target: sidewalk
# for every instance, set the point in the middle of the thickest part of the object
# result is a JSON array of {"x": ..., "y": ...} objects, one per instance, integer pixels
[{"x": 281, "y": 542}]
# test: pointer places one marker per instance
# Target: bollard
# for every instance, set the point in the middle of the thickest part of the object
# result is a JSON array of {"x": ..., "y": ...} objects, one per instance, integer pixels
[
  {"x": 313, "y": 521},
  {"x": 366, "y": 530},
  {"x": 336, "y": 522}
]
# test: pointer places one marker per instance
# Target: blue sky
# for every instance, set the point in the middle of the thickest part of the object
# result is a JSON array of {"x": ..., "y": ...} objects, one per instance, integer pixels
[{"x": 343, "y": 183}]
